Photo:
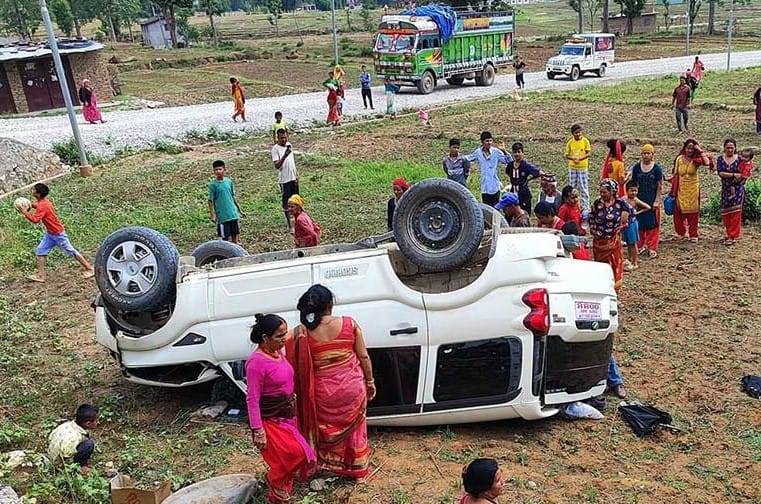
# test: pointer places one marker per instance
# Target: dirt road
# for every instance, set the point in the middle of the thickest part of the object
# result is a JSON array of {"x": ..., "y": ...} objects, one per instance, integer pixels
[{"x": 143, "y": 127}]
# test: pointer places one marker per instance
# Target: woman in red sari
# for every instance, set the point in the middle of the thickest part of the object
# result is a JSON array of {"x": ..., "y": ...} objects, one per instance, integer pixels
[
  {"x": 334, "y": 383},
  {"x": 333, "y": 86},
  {"x": 272, "y": 408},
  {"x": 608, "y": 216}
]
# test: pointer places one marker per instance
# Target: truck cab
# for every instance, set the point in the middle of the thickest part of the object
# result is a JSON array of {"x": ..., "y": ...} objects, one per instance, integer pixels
[{"x": 584, "y": 52}]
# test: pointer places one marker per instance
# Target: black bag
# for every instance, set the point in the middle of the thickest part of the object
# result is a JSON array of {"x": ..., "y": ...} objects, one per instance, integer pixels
[
  {"x": 752, "y": 386},
  {"x": 643, "y": 419}
]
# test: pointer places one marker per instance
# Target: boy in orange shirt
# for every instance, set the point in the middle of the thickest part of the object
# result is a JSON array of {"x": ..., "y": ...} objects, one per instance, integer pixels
[
  {"x": 746, "y": 163},
  {"x": 55, "y": 236}
]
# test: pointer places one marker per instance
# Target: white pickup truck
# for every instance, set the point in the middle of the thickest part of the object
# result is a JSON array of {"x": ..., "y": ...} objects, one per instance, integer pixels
[
  {"x": 584, "y": 52},
  {"x": 515, "y": 330}
]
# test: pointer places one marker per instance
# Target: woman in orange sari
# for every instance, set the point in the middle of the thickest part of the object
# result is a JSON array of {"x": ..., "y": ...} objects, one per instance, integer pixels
[
  {"x": 239, "y": 99},
  {"x": 614, "y": 167},
  {"x": 608, "y": 216},
  {"x": 334, "y": 382}
]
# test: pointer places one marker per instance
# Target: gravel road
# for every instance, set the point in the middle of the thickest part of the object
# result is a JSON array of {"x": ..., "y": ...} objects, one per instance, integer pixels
[{"x": 141, "y": 128}]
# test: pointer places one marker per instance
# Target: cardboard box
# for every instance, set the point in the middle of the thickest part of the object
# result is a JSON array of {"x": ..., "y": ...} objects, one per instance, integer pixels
[{"x": 124, "y": 491}]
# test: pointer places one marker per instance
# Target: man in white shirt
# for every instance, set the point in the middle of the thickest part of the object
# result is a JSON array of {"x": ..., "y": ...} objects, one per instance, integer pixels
[{"x": 285, "y": 164}]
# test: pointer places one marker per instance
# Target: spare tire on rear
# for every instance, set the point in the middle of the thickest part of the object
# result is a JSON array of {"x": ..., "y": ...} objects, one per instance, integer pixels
[
  {"x": 136, "y": 268},
  {"x": 438, "y": 224},
  {"x": 217, "y": 250}
]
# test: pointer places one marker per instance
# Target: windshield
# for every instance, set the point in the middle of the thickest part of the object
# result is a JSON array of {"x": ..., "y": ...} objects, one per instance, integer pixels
[
  {"x": 572, "y": 50},
  {"x": 395, "y": 43}
]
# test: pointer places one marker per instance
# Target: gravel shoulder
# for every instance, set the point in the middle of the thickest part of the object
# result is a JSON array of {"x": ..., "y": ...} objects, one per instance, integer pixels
[{"x": 141, "y": 128}]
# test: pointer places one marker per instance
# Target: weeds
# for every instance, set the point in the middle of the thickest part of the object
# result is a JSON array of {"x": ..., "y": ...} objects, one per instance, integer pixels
[
  {"x": 167, "y": 147},
  {"x": 751, "y": 208},
  {"x": 12, "y": 435},
  {"x": 68, "y": 152}
]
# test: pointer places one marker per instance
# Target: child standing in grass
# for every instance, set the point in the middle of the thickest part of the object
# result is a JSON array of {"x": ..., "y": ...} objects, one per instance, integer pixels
[
  {"x": 279, "y": 125},
  {"x": 55, "y": 235},
  {"x": 224, "y": 209},
  {"x": 630, "y": 235},
  {"x": 70, "y": 441}
]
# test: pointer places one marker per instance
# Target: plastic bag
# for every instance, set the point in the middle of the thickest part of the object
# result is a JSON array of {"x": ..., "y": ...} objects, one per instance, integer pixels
[
  {"x": 643, "y": 419},
  {"x": 580, "y": 410},
  {"x": 752, "y": 385}
]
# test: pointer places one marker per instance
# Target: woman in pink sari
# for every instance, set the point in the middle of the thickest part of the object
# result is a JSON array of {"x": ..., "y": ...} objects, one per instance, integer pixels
[
  {"x": 334, "y": 383},
  {"x": 272, "y": 409},
  {"x": 89, "y": 103}
]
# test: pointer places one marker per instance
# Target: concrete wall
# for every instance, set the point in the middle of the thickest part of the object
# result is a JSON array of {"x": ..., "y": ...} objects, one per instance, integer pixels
[
  {"x": 17, "y": 87},
  {"x": 92, "y": 66}
]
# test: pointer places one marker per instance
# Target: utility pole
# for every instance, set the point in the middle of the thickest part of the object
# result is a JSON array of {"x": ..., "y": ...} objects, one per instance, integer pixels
[
  {"x": 84, "y": 166},
  {"x": 335, "y": 32},
  {"x": 581, "y": 16},
  {"x": 689, "y": 28},
  {"x": 730, "y": 29}
]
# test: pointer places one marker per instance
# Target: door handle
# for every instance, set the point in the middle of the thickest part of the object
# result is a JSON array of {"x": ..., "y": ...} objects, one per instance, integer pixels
[{"x": 406, "y": 330}]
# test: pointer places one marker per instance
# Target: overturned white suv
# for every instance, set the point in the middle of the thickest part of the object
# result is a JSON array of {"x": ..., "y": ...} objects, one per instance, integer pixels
[{"x": 465, "y": 319}]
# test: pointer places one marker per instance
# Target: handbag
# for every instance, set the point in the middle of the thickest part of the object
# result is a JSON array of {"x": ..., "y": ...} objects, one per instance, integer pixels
[{"x": 669, "y": 202}]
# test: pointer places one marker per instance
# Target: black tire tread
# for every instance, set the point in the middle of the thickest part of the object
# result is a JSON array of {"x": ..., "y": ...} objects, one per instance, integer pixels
[{"x": 216, "y": 250}]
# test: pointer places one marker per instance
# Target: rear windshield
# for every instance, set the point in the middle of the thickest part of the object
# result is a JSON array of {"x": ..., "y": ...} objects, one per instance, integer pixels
[
  {"x": 572, "y": 50},
  {"x": 395, "y": 43}
]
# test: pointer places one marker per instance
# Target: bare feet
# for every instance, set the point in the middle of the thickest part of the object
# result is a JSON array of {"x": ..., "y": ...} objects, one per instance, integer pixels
[
  {"x": 36, "y": 278},
  {"x": 88, "y": 273}
]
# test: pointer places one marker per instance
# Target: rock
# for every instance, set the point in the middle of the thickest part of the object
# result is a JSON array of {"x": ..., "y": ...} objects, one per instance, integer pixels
[
  {"x": 13, "y": 459},
  {"x": 230, "y": 489},
  {"x": 8, "y": 496},
  {"x": 532, "y": 485},
  {"x": 317, "y": 485},
  {"x": 212, "y": 411},
  {"x": 21, "y": 165}
]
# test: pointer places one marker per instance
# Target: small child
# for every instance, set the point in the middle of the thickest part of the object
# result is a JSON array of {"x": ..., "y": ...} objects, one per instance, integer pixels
[
  {"x": 391, "y": 88},
  {"x": 70, "y": 441},
  {"x": 224, "y": 209},
  {"x": 630, "y": 235},
  {"x": 55, "y": 235},
  {"x": 545, "y": 216},
  {"x": 746, "y": 163},
  {"x": 422, "y": 116},
  {"x": 279, "y": 125},
  {"x": 570, "y": 228},
  {"x": 570, "y": 210}
]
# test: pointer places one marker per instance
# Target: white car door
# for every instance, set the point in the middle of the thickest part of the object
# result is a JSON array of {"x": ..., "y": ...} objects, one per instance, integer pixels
[{"x": 393, "y": 321}]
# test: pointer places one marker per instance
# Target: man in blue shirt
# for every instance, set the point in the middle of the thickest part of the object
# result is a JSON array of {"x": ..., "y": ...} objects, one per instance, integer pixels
[
  {"x": 224, "y": 209},
  {"x": 364, "y": 81},
  {"x": 488, "y": 158}
]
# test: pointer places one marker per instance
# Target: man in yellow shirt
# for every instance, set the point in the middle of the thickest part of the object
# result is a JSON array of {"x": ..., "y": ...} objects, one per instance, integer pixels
[
  {"x": 70, "y": 441},
  {"x": 577, "y": 152}
]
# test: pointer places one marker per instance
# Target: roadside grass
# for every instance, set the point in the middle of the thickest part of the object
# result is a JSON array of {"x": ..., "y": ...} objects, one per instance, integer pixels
[{"x": 679, "y": 351}]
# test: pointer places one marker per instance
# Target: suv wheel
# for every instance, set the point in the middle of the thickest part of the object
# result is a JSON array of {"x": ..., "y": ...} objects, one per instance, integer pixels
[
  {"x": 438, "y": 224},
  {"x": 216, "y": 250},
  {"x": 135, "y": 269},
  {"x": 575, "y": 73},
  {"x": 601, "y": 71}
]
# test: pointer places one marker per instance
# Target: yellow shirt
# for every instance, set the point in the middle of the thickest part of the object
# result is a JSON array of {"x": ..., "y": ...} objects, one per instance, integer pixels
[
  {"x": 278, "y": 126},
  {"x": 63, "y": 441},
  {"x": 618, "y": 173},
  {"x": 688, "y": 195},
  {"x": 578, "y": 148}
]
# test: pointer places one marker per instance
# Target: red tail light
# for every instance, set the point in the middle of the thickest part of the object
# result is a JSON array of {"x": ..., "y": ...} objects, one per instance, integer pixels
[{"x": 538, "y": 319}]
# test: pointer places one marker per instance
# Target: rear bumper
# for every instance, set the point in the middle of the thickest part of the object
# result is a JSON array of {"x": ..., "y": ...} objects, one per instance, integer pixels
[{"x": 575, "y": 371}]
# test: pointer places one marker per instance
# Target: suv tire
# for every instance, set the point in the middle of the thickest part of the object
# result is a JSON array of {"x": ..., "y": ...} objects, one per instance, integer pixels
[
  {"x": 602, "y": 70},
  {"x": 427, "y": 82},
  {"x": 575, "y": 73},
  {"x": 135, "y": 269},
  {"x": 438, "y": 224},
  {"x": 216, "y": 250}
]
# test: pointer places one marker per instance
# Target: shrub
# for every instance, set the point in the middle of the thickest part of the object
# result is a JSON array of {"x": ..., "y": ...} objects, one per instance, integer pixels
[
  {"x": 11, "y": 435},
  {"x": 751, "y": 208},
  {"x": 68, "y": 152},
  {"x": 167, "y": 147}
]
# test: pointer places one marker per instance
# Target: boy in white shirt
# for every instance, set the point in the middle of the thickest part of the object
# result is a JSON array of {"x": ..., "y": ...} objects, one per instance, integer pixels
[{"x": 288, "y": 178}]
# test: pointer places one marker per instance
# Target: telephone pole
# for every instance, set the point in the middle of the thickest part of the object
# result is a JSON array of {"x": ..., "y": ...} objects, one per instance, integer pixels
[{"x": 84, "y": 166}]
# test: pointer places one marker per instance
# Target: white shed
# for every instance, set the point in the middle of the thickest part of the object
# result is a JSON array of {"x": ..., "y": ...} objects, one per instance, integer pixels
[{"x": 156, "y": 33}]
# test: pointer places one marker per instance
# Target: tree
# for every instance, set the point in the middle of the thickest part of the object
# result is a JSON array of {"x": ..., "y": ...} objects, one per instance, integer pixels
[
  {"x": 364, "y": 14},
  {"x": 576, "y": 5},
  {"x": 667, "y": 22},
  {"x": 693, "y": 8},
  {"x": 631, "y": 9},
  {"x": 214, "y": 8},
  {"x": 592, "y": 9},
  {"x": 83, "y": 11},
  {"x": 61, "y": 12},
  {"x": 170, "y": 10},
  {"x": 127, "y": 12},
  {"x": 605, "y": 15},
  {"x": 274, "y": 13},
  {"x": 21, "y": 17},
  {"x": 711, "y": 16}
]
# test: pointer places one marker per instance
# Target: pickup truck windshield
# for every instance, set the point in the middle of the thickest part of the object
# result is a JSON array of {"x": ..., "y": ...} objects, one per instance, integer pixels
[
  {"x": 395, "y": 43},
  {"x": 572, "y": 51}
]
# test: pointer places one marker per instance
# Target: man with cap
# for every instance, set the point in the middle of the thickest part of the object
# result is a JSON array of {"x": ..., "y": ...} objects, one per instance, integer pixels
[{"x": 509, "y": 205}]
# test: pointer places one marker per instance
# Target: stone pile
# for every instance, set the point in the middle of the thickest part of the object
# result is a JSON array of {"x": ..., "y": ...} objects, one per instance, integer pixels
[{"x": 22, "y": 164}]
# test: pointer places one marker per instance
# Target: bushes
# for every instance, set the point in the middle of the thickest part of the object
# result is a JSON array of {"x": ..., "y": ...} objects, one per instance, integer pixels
[
  {"x": 68, "y": 152},
  {"x": 751, "y": 209}
]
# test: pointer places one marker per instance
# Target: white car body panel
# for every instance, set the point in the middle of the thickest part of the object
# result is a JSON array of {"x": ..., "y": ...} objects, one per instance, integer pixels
[{"x": 412, "y": 329}]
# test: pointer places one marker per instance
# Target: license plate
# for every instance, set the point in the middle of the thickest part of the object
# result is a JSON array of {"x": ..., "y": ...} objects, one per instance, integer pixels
[{"x": 586, "y": 310}]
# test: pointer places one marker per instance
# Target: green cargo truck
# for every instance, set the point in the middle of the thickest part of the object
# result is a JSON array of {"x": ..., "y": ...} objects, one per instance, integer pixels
[{"x": 411, "y": 49}]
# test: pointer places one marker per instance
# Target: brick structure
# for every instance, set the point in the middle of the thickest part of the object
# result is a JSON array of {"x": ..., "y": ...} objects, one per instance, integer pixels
[
  {"x": 644, "y": 23},
  {"x": 29, "y": 82}
]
